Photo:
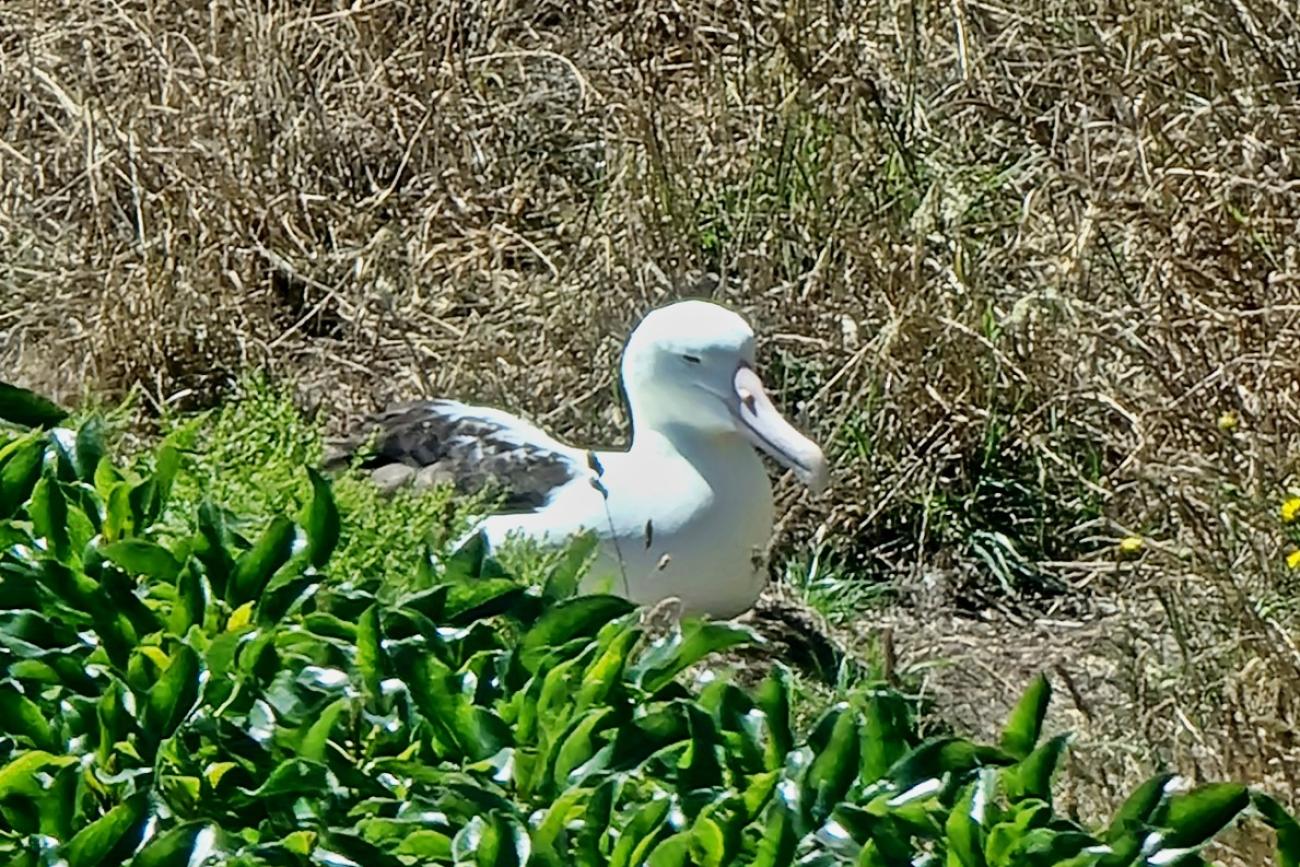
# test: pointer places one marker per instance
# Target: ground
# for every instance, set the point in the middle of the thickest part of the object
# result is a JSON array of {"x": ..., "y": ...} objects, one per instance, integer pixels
[{"x": 1029, "y": 271}]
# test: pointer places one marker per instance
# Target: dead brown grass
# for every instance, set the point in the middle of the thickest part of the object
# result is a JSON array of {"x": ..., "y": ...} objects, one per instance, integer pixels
[{"x": 1014, "y": 262}]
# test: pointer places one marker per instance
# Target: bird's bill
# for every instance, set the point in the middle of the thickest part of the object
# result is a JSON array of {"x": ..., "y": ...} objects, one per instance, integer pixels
[{"x": 761, "y": 423}]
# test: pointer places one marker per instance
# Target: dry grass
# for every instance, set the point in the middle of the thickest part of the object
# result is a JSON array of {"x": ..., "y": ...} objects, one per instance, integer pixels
[{"x": 1013, "y": 262}]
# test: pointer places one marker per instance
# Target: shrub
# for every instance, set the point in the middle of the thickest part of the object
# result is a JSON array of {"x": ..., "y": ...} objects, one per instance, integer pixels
[{"x": 177, "y": 693}]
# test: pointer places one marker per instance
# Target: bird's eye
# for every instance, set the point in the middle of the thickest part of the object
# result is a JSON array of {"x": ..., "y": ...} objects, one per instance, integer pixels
[{"x": 693, "y": 359}]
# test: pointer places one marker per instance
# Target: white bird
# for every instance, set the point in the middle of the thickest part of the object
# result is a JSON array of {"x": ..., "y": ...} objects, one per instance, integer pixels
[{"x": 686, "y": 511}]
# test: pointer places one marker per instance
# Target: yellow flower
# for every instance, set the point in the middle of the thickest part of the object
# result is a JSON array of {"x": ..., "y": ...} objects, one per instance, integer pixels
[
  {"x": 1130, "y": 545},
  {"x": 1291, "y": 510},
  {"x": 1228, "y": 421},
  {"x": 1293, "y": 559}
]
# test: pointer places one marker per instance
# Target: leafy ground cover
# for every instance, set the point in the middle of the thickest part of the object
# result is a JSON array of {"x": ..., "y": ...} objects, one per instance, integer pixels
[
  {"x": 1028, "y": 270},
  {"x": 184, "y": 685}
]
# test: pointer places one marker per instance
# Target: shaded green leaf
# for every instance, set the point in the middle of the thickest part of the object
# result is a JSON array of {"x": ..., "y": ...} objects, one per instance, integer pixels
[
  {"x": 21, "y": 716},
  {"x": 90, "y": 449},
  {"x": 19, "y": 471},
  {"x": 110, "y": 837},
  {"x": 172, "y": 697},
  {"x": 26, "y": 408},
  {"x": 172, "y": 848}
]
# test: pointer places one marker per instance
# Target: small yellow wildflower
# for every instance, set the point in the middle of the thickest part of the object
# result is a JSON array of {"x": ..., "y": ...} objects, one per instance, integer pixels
[
  {"x": 1131, "y": 545},
  {"x": 1228, "y": 421},
  {"x": 1291, "y": 510},
  {"x": 1293, "y": 559}
]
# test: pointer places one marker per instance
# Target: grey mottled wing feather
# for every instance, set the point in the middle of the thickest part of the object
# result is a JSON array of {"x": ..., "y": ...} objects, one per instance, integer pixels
[{"x": 473, "y": 448}]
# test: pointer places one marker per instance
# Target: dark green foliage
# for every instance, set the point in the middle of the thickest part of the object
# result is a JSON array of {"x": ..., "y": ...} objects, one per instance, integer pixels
[{"x": 181, "y": 679}]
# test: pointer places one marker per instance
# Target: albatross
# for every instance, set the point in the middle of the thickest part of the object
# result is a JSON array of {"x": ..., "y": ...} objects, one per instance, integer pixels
[{"x": 685, "y": 511}]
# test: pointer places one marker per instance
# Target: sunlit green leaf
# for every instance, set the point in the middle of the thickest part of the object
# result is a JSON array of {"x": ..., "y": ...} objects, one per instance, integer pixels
[
  {"x": 1025, "y": 723},
  {"x": 321, "y": 521},
  {"x": 139, "y": 557},
  {"x": 1192, "y": 818},
  {"x": 683, "y": 648},
  {"x": 256, "y": 566}
]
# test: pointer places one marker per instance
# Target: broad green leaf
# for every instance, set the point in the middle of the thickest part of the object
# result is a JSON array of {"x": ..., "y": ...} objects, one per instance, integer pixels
[
  {"x": 90, "y": 449},
  {"x": 1193, "y": 818},
  {"x": 481, "y": 599},
  {"x": 1282, "y": 822},
  {"x": 833, "y": 770},
  {"x": 709, "y": 844},
  {"x": 110, "y": 837},
  {"x": 576, "y": 746},
  {"x": 22, "y": 717},
  {"x": 119, "y": 519},
  {"x": 1025, "y": 723},
  {"x": 474, "y": 732},
  {"x": 294, "y": 777},
  {"x": 139, "y": 557},
  {"x": 886, "y": 733},
  {"x": 49, "y": 513},
  {"x": 214, "y": 547},
  {"x": 26, "y": 408},
  {"x": 172, "y": 697},
  {"x": 1032, "y": 777},
  {"x": 321, "y": 521},
  {"x": 776, "y": 848},
  {"x": 172, "y": 848},
  {"x": 19, "y": 776},
  {"x": 939, "y": 756},
  {"x": 1139, "y": 807},
  {"x": 676, "y": 652},
  {"x": 571, "y": 618},
  {"x": 639, "y": 834},
  {"x": 964, "y": 831},
  {"x": 190, "y": 607},
  {"x": 700, "y": 767},
  {"x": 773, "y": 699},
  {"x": 425, "y": 846},
  {"x": 466, "y": 562},
  {"x": 317, "y": 737},
  {"x": 672, "y": 851},
  {"x": 564, "y": 577},
  {"x": 19, "y": 472},
  {"x": 372, "y": 661},
  {"x": 255, "y": 567}
]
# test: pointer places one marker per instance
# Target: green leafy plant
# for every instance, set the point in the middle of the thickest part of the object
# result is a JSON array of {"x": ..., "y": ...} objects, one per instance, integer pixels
[{"x": 187, "y": 692}]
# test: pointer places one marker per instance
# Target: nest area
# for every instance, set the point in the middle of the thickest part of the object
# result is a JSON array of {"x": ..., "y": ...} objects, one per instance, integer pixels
[{"x": 1030, "y": 272}]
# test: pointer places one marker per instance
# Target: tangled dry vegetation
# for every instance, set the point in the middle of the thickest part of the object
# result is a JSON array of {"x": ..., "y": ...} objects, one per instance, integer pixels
[{"x": 1030, "y": 269}]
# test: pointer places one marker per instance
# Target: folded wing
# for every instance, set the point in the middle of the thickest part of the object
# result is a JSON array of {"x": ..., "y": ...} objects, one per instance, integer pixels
[{"x": 473, "y": 448}]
